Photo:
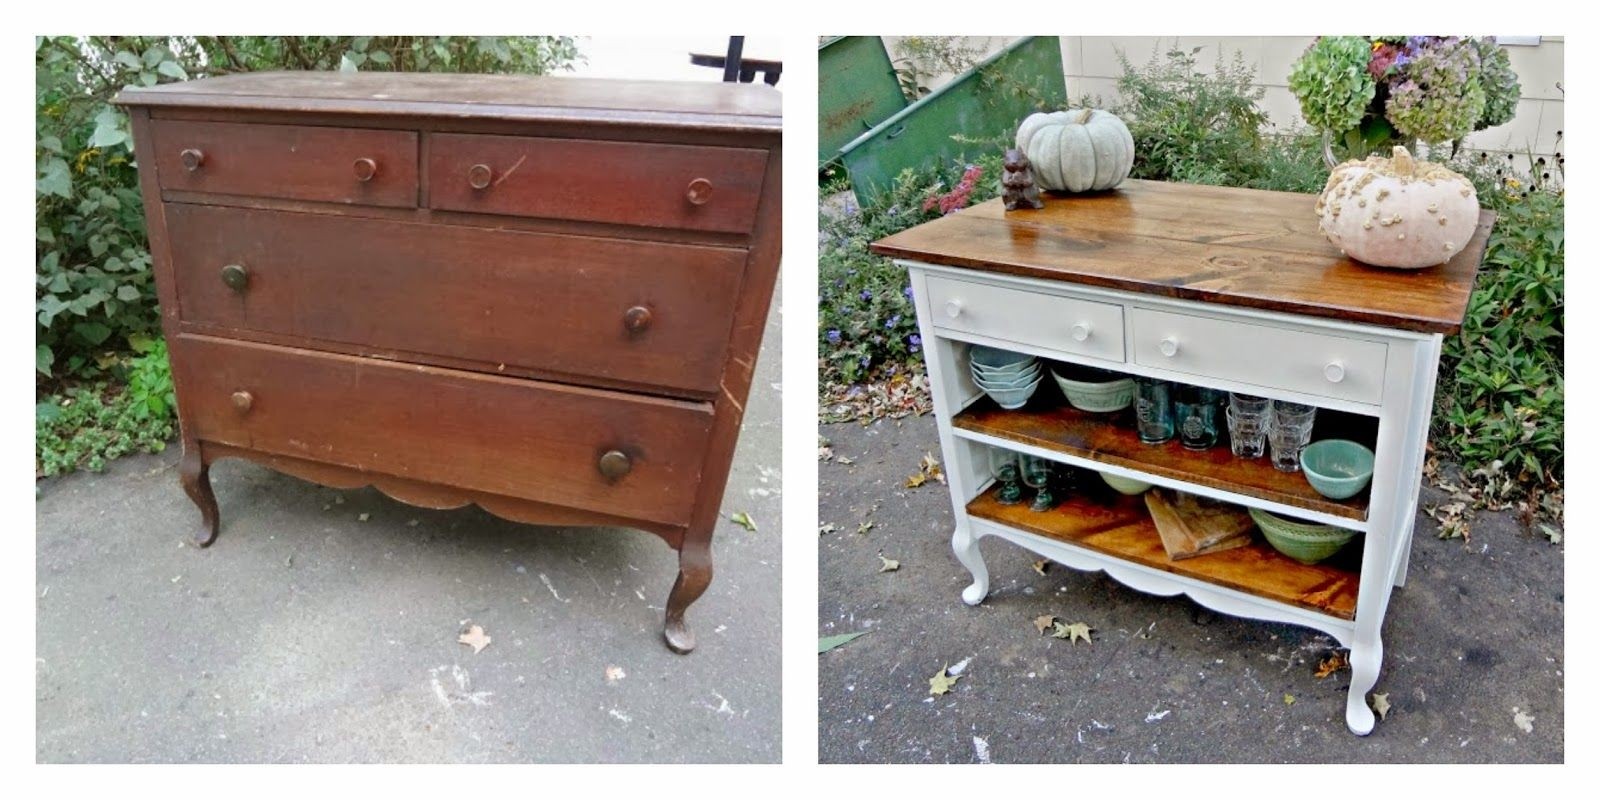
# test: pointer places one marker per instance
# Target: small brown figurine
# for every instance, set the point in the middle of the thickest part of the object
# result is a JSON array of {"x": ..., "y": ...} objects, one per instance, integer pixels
[{"x": 1017, "y": 184}]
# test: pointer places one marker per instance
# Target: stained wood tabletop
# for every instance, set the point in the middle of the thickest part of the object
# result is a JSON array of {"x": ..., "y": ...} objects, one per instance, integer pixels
[
  {"x": 692, "y": 104},
  {"x": 1230, "y": 246}
]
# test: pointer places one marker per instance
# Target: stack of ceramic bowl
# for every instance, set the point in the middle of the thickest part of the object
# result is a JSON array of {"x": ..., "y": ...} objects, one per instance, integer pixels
[{"x": 1010, "y": 378}]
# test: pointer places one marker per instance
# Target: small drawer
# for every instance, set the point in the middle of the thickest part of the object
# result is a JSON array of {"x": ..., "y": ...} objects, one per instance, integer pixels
[
  {"x": 629, "y": 183},
  {"x": 603, "y": 451},
  {"x": 1082, "y": 327},
  {"x": 1317, "y": 364},
  {"x": 625, "y": 310},
  {"x": 294, "y": 162}
]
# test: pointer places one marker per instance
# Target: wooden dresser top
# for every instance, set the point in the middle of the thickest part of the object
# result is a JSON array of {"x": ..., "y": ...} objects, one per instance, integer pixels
[
  {"x": 1241, "y": 247},
  {"x": 704, "y": 105}
]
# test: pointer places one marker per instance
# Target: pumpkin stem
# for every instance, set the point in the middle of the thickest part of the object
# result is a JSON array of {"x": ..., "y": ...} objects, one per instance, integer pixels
[
  {"x": 1084, "y": 117},
  {"x": 1404, "y": 165}
]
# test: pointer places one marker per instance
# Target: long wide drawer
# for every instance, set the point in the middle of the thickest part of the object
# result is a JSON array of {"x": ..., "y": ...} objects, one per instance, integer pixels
[
  {"x": 1083, "y": 327},
  {"x": 297, "y": 162},
  {"x": 539, "y": 441},
  {"x": 633, "y": 183},
  {"x": 1268, "y": 356},
  {"x": 640, "y": 312}
]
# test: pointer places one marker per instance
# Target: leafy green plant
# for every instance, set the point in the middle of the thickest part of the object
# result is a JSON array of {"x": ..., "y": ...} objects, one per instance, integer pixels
[
  {"x": 1189, "y": 125},
  {"x": 89, "y": 424}
]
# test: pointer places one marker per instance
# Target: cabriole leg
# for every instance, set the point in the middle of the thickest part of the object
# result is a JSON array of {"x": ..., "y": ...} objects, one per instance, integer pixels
[
  {"x": 967, "y": 552},
  {"x": 1365, "y": 661},
  {"x": 196, "y": 477},
  {"x": 694, "y": 575}
]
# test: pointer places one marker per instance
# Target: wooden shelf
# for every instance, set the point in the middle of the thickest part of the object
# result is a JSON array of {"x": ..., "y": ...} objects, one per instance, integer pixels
[
  {"x": 1121, "y": 527},
  {"x": 1047, "y": 421}
]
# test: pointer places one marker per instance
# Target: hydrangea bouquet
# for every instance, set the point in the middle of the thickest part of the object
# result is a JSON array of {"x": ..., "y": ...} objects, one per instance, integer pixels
[{"x": 1368, "y": 93}]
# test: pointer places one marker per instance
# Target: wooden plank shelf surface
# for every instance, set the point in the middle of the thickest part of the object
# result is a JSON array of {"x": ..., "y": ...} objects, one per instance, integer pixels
[
  {"x": 1122, "y": 528},
  {"x": 1050, "y": 423}
]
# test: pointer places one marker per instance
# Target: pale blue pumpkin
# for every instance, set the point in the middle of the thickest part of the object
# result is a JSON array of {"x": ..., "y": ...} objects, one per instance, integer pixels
[{"x": 1077, "y": 150}]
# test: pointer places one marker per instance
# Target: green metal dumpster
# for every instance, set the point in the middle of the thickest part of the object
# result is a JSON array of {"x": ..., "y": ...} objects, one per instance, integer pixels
[
  {"x": 985, "y": 103},
  {"x": 856, "y": 89}
]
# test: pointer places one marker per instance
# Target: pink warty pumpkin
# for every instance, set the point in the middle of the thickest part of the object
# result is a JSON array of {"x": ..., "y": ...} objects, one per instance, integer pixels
[{"x": 1398, "y": 212}]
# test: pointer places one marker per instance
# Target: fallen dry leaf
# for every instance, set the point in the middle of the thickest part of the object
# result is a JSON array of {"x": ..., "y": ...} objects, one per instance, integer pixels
[
  {"x": 941, "y": 683},
  {"x": 865, "y": 526},
  {"x": 1288, "y": 699},
  {"x": 916, "y": 480},
  {"x": 1041, "y": 565},
  {"x": 614, "y": 674},
  {"x": 1522, "y": 719},
  {"x": 1380, "y": 704},
  {"x": 889, "y": 564},
  {"x": 826, "y": 528},
  {"x": 932, "y": 468},
  {"x": 475, "y": 638},
  {"x": 1044, "y": 623},
  {"x": 845, "y": 460},
  {"x": 1333, "y": 663},
  {"x": 824, "y": 449},
  {"x": 744, "y": 520},
  {"x": 1073, "y": 632},
  {"x": 363, "y": 517}
]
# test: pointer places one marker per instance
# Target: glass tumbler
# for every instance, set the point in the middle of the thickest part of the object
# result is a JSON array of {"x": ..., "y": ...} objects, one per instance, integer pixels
[
  {"x": 1248, "y": 419},
  {"x": 1197, "y": 411},
  {"x": 1006, "y": 472},
  {"x": 1036, "y": 473},
  {"x": 1289, "y": 434},
  {"x": 1153, "y": 406}
]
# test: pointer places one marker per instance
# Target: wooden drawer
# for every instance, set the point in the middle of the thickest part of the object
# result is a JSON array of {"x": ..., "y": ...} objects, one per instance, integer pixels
[
  {"x": 535, "y": 300},
  {"x": 633, "y": 183},
  {"x": 488, "y": 433},
  {"x": 289, "y": 161},
  {"x": 1082, "y": 327},
  {"x": 1263, "y": 355}
]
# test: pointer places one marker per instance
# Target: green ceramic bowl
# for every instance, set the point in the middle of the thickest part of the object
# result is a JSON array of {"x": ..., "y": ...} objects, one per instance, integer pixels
[
  {"x": 1337, "y": 468},
  {"x": 995, "y": 358},
  {"x": 1304, "y": 542},
  {"x": 1125, "y": 485},
  {"x": 1097, "y": 396}
]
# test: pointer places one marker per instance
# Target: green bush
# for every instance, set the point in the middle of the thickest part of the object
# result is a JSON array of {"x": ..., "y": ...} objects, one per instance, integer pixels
[
  {"x": 90, "y": 424},
  {"x": 93, "y": 268}
]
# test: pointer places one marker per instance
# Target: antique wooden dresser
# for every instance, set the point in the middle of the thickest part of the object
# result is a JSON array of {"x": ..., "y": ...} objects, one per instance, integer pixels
[
  {"x": 1232, "y": 289},
  {"x": 542, "y": 295}
]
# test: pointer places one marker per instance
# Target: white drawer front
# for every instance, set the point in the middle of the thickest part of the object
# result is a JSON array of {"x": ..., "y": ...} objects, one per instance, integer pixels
[
  {"x": 1318, "y": 364},
  {"x": 1069, "y": 325}
]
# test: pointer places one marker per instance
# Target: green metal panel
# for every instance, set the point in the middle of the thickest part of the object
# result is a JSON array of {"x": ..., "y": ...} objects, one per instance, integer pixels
[
  {"x": 856, "y": 88},
  {"x": 985, "y": 104}
]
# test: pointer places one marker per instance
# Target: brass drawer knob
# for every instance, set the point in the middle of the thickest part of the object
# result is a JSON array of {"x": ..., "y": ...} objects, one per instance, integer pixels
[
  {"x": 365, "y": 169},
  {"x": 192, "y": 158},
  {"x": 242, "y": 401},
  {"x": 478, "y": 176},
  {"x": 235, "y": 276},
  {"x": 699, "y": 191},
  {"x": 615, "y": 464},
  {"x": 636, "y": 319}
]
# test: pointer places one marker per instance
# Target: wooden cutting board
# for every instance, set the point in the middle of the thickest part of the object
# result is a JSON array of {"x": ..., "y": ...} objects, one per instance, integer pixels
[{"x": 1194, "y": 526}]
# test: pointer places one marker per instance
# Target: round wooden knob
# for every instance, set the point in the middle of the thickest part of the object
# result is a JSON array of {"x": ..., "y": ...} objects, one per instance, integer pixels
[
  {"x": 1080, "y": 332},
  {"x": 1169, "y": 347},
  {"x": 242, "y": 401},
  {"x": 192, "y": 159},
  {"x": 236, "y": 277},
  {"x": 1334, "y": 372},
  {"x": 478, "y": 176},
  {"x": 365, "y": 168},
  {"x": 615, "y": 464},
  {"x": 953, "y": 308},
  {"x": 636, "y": 319},
  {"x": 699, "y": 191}
]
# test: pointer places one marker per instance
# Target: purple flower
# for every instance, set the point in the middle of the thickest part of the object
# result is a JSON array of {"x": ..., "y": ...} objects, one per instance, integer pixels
[
  {"x": 865, "y": 361},
  {"x": 866, "y": 294},
  {"x": 889, "y": 324},
  {"x": 833, "y": 336},
  {"x": 915, "y": 340},
  {"x": 908, "y": 293}
]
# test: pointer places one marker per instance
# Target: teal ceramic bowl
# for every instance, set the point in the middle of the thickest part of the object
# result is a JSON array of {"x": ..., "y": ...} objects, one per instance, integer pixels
[
  {"x": 1014, "y": 398},
  {"x": 1337, "y": 468},
  {"x": 1097, "y": 396},
  {"x": 1020, "y": 368},
  {"x": 1125, "y": 485},
  {"x": 1304, "y": 542},
  {"x": 1008, "y": 382},
  {"x": 987, "y": 357}
]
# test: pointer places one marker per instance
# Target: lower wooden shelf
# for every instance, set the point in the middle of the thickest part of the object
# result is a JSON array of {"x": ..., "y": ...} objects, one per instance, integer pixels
[{"x": 1121, "y": 527}]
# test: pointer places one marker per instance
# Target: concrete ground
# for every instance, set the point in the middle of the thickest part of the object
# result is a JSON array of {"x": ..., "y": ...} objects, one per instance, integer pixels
[
  {"x": 1473, "y": 666},
  {"x": 306, "y": 634}
]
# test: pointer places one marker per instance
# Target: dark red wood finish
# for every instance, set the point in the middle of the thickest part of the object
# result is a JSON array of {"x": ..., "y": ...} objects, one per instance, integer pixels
[
  {"x": 377, "y": 339},
  {"x": 667, "y": 186},
  {"x": 289, "y": 161}
]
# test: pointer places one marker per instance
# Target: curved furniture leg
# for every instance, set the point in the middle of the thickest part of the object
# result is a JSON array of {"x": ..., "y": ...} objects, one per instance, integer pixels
[
  {"x": 967, "y": 552},
  {"x": 694, "y": 575},
  {"x": 1365, "y": 661},
  {"x": 196, "y": 478}
]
